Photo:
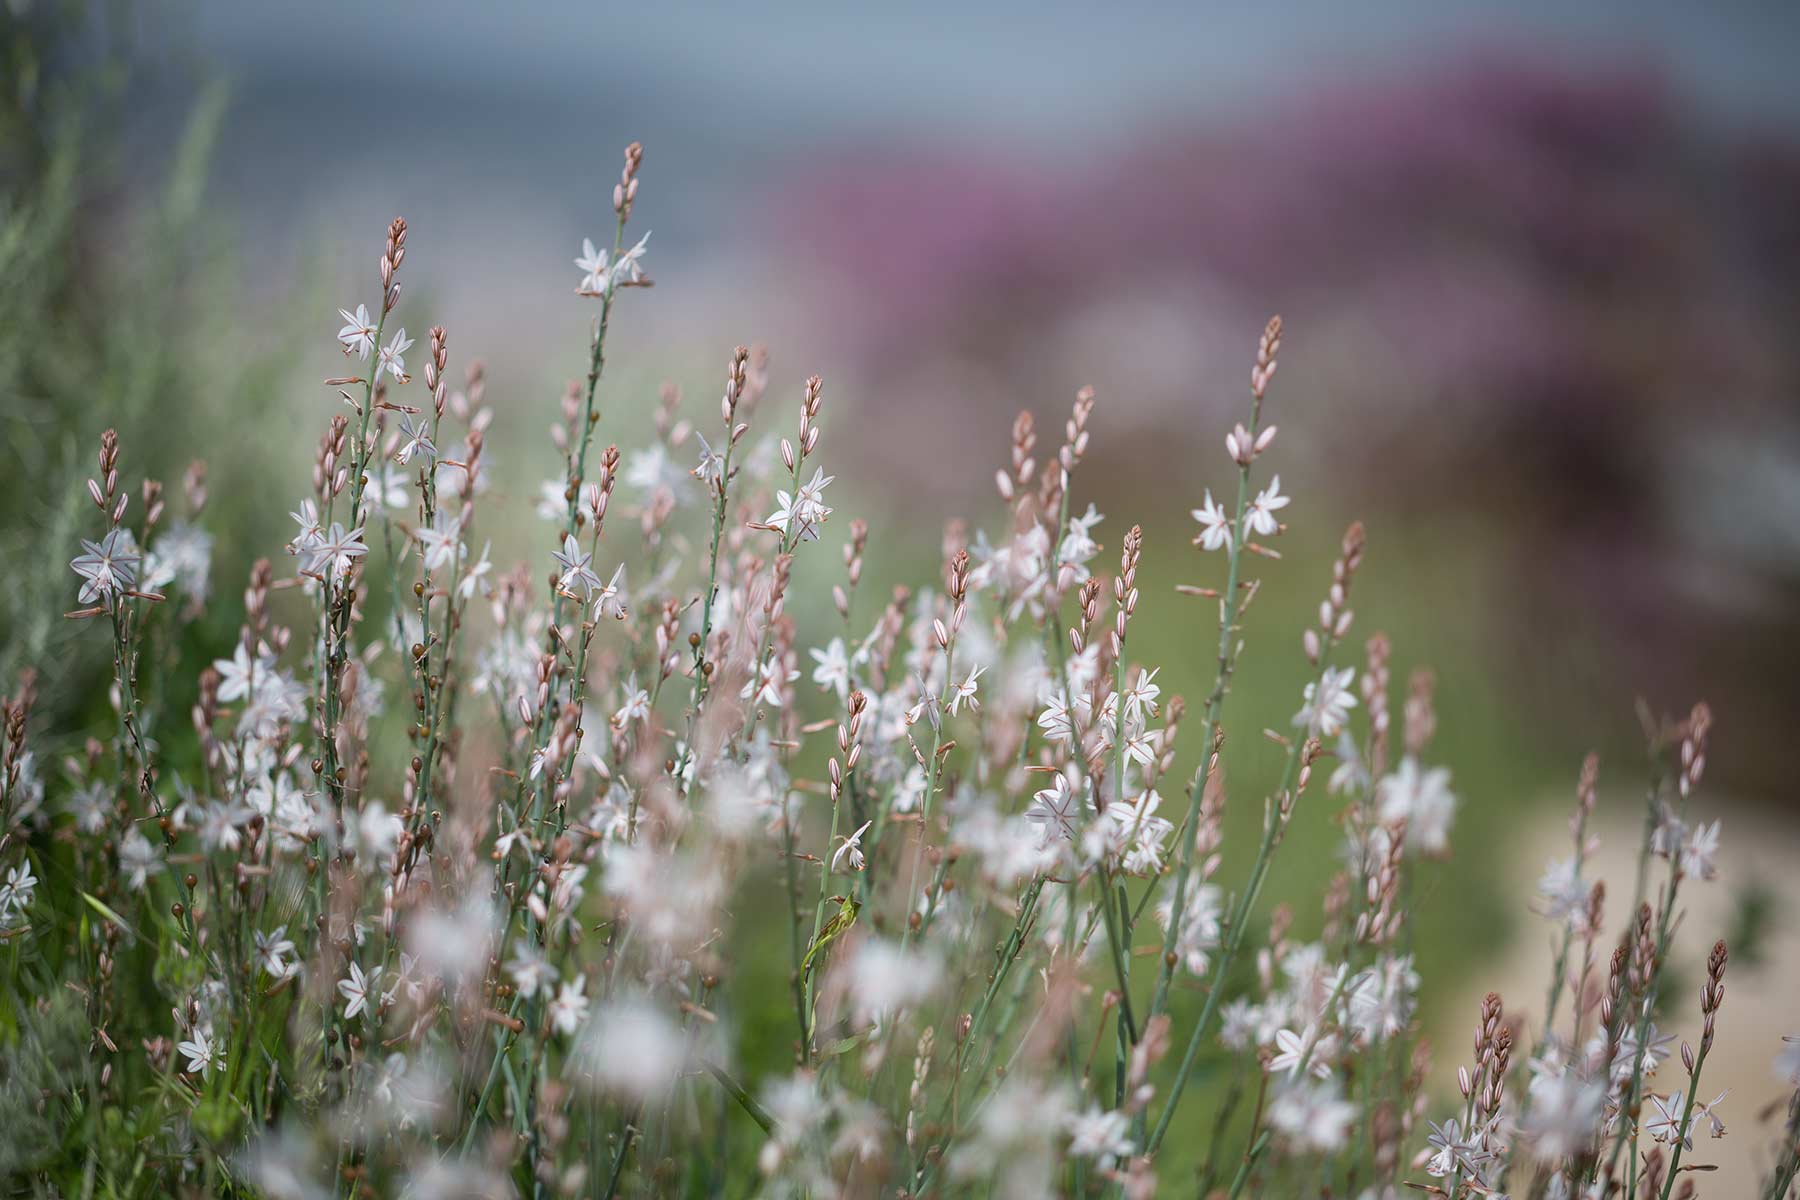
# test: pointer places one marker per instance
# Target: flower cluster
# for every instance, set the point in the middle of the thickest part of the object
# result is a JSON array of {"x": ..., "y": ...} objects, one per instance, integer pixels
[{"x": 467, "y": 878}]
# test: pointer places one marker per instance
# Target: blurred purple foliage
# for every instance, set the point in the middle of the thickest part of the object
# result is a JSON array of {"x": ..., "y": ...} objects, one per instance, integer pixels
[{"x": 1533, "y": 287}]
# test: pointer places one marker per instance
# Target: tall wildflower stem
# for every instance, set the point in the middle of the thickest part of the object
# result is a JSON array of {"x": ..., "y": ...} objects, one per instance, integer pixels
[
  {"x": 1230, "y": 608},
  {"x": 577, "y": 471},
  {"x": 1209, "y": 723},
  {"x": 721, "y": 489},
  {"x": 1274, "y": 823},
  {"x": 946, "y": 639}
]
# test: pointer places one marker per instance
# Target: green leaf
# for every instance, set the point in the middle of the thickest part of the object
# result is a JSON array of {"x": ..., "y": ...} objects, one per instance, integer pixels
[{"x": 100, "y": 907}]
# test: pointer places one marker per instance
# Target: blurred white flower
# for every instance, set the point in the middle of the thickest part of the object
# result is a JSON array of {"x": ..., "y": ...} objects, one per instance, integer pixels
[
  {"x": 1326, "y": 704},
  {"x": 1103, "y": 1135},
  {"x": 632, "y": 1050},
  {"x": 1312, "y": 1115},
  {"x": 592, "y": 263},
  {"x": 1423, "y": 799}
]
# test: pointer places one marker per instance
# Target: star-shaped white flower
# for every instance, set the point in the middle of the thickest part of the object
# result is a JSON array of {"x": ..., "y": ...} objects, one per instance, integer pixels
[
  {"x": 594, "y": 272},
  {"x": 1215, "y": 525},
  {"x": 570, "y": 1007},
  {"x": 851, "y": 849},
  {"x": 609, "y": 601},
  {"x": 391, "y": 360},
  {"x": 362, "y": 991},
  {"x": 476, "y": 576},
  {"x": 1261, "y": 515},
  {"x": 358, "y": 333},
  {"x": 629, "y": 268},
  {"x": 578, "y": 578},
  {"x": 965, "y": 691},
  {"x": 334, "y": 551},
  {"x": 415, "y": 438},
  {"x": 440, "y": 542},
  {"x": 800, "y": 515},
  {"x": 108, "y": 566},
  {"x": 202, "y": 1052}
]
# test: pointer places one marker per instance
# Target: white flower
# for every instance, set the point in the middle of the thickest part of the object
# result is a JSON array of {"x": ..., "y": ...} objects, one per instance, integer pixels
[
  {"x": 1786, "y": 1063},
  {"x": 1454, "y": 1151},
  {"x": 1078, "y": 546},
  {"x": 138, "y": 859},
  {"x": 1199, "y": 935},
  {"x": 1314, "y": 1116},
  {"x": 530, "y": 972},
  {"x": 1670, "y": 833},
  {"x": 650, "y": 471},
  {"x": 578, "y": 578},
  {"x": 711, "y": 467},
  {"x": 202, "y": 1052},
  {"x": 593, "y": 267},
  {"x": 636, "y": 706},
  {"x": 475, "y": 578},
  {"x": 219, "y": 823},
  {"x": 15, "y": 893},
  {"x": 1141, "y": 696},
  {"x": 851, "y": 849},
  {"x": 378, "y": 831},
  {"x": 1698, "y": 850},
  {"x": 1301, "y": 1051},
  {"x": 1261, "y": 515},
  {"x": 965, "y": 691},
  {"x": 609, "y": 600},
  {"x": 1423, "y": 800},
  {"x": 1053, "y": 810},
  {"x": 1381, "y": 997},
  {"x": 833, "y": 671},
  {"x": 1058, "y": 718},
  {"x": 1704, "y": 1108},
  {"x": 362, "y": 991},
  {"x": 552, "y": 504},
  {"x": 1327, "y": 703},
  {"x": 415, "y": 438},
  {"x": 768, "y": 682},
  {"x": 240, "y": 674},
  {"x": 886, "y": 979},
  {"x": 1138, "y": 832},
  {"x": 391, "y": 362},
  {"x": 1215, "y": 525},
  {"x": 358, "y": 333},
  {"x": 440, "y": 542},
  {"x": 570, "y": 1007},
  {"x": 1100, "y": 1134},
  {"x": 1562, "y": 1113},
  {"x": 310, "y": 530},
  {"x": 182, "y": 555},
  {"x": 800, "y": 515},
  {"x": 92, "y": 807},
  {"x": 1666, "y": 1125},
  {"x": 108, "y": 566},
  {"x": 1564, "y": 893},
  {"x": 631, "y": 1049},
  {"x": 629, "y": 269},
  {"x": 332, "y": 553},
  {"x": 272, "y": 950}
]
